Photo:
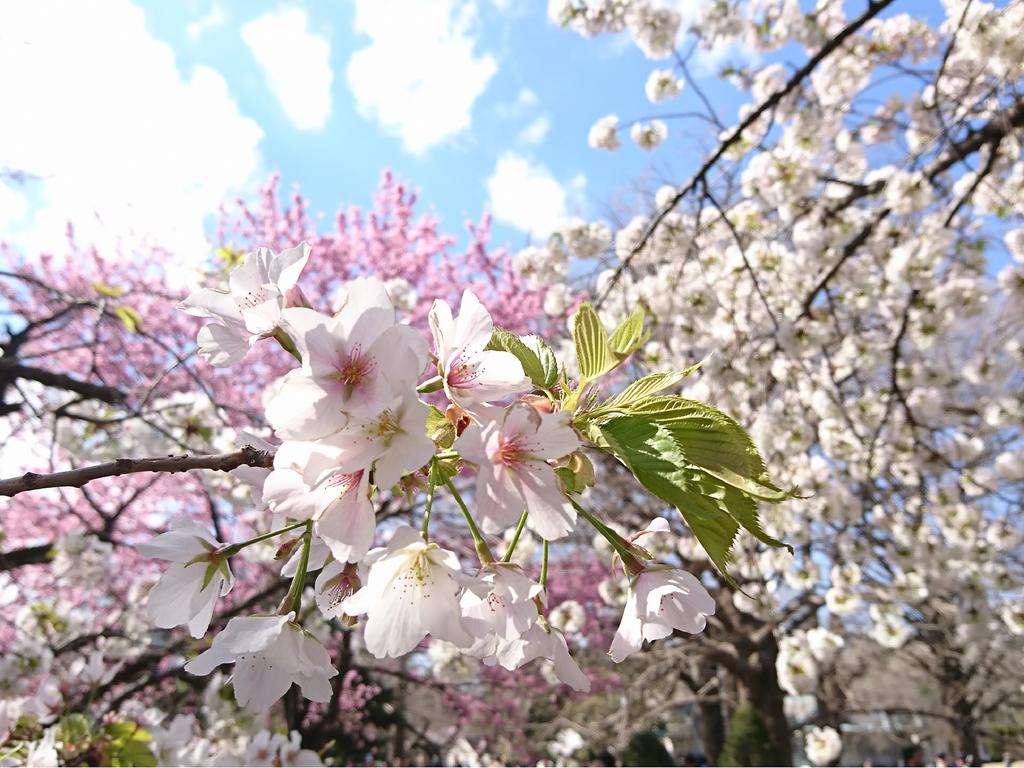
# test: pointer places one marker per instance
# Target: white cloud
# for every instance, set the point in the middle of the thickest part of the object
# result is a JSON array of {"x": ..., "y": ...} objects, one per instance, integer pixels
[
  {"x": 111, "y": 135},
  {"x": 215, "y": 18},
  {"x": 528, "y": 197},
  {"x": 535, "y": 133},
  {"x": 524, "y": 102},
  {"x": 296, "y": 63},
  {"x": 419, "y": 76}
]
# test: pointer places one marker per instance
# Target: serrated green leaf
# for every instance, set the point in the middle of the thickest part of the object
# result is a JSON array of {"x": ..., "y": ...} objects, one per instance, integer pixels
[
  {"x": 440, "y": 430},
  {"x": 546, "y": 357},
  {"x": 651, "y": 454},
  {"x": 648, "y": 385},
  {"x": 701, "y": 461},
  {"x": 709, "y": 438},
  {"x": 131, "y": 319},
  {"x": 594, "y": 356},
  {"x": 629, "y": 335},
  {"x": 505, "y": 341},
  {"x": 109, "y": 291}
]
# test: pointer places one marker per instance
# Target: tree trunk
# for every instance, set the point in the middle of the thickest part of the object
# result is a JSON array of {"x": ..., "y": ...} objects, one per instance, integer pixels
[
  {"x": 762, "y": 690},
  {"x": 967, "y": 731},
  {"x": 710, "y": 718}
]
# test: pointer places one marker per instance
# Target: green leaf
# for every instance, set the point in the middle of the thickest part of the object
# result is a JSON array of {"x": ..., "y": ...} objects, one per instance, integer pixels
[
  {"x": 701, "y": 461},
  {"x": 547, "y": 359},
  {"x": 440, "y": 430},
  {"x": 109, "y": 291},
  {"x": 647, "y": 386},
  {"x": 709, "y": 438},
  {"x": 129, "y": 745},
  {"x": 505, "y": 341},
  {"x": 629, "y": 335},
  {"x": 652, "y": 456},
  {"x": 73, "y": 729},
  {"x": 230, "y": 256},
  {"x": 131, "y": 319},
  {"x": 594, "y": 355}
]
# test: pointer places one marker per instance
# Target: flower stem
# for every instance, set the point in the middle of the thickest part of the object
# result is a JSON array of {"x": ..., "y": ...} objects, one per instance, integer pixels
[
  {"x": 234, "y": 549},
  {"x": 293, "y": 601},
  {"x": 426, "y": 511},
  {"x": 515, "y": 538},
  {"x": 630, "y": 564},
  {"x": 544, "y": 566},
  {"x": 482, "y": 550}
]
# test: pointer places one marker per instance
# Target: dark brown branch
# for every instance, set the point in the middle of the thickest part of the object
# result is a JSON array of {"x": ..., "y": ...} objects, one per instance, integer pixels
[
  {"x": 874, "y": 8},
  {"x": 16, "y": 558},
  {"x": 76, "y": 478},
  {"x": 15, "y": 370}
]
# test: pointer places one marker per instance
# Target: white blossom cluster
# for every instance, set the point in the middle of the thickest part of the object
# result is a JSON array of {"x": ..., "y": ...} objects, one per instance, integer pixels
[
  {"x": 858, "y": 298},
  {"x": 352, "y": 426}
]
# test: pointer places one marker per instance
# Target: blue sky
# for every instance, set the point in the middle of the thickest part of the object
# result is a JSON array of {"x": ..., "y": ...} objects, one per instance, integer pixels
[{"x": 137, "y": 118}]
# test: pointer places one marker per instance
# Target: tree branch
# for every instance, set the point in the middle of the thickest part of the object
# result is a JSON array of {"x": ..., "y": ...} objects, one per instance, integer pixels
[
  {"x": 874, "y": 8},
  {"x": 16, "y": 558},
  {"x": 76, "y": 478}
]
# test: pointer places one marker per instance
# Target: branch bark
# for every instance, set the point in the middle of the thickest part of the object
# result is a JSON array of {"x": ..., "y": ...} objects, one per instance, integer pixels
[
  {"x": 76, "y": 478},
  {"x": 15, "y": 370}
]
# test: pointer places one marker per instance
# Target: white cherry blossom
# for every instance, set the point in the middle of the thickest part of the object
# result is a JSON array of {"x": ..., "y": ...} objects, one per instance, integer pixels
[
  {"x": 823, "y": 745},
  {"x": 512, "y": 453},
  {"x": 471, "y": 374},
  {"x": 543, "y": 641},
  {"x": 270, "y": 653},
  {"x": 187, "y": 591},
  {"x": 307, "y": 485},
  {"x": 352, "y": 364},
  {"x": 393, "y": 441},
  {"x": 604, "y": 134},
  {"x": 499, "y": 610},
  {"x": 258, "y": 291},
  {"x": 412, "y": 589},
  {"x": 662, "y": 84},
  {"x": 661, "y": 600}
]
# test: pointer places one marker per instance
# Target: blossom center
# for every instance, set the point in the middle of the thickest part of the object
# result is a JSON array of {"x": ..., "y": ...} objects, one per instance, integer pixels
[
  {"x": 253, "y": 298},
  {"x": 463, "y": 372},
  {"x": 342, "y": 482},
  {"x": 512, "y": 450},
  {"x": 355, "y": 369}
]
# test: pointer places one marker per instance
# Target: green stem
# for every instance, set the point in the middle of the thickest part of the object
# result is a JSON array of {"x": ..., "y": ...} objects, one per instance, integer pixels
[
  {"x": 234, "y": 549},
  {"x": 426, "y": 511},
  {"x": 515, "y": 538},
  {"x": 287, "y": 344},
  {"x": 482, "y": 550},
  {"x": 629, "y": 561},
  {"x": 293, "y": 602},
  {"x": 544, "y": 566}
]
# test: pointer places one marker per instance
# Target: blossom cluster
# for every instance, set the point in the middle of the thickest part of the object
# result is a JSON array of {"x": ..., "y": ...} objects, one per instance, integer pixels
[{"x": 374, "y": 412}]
